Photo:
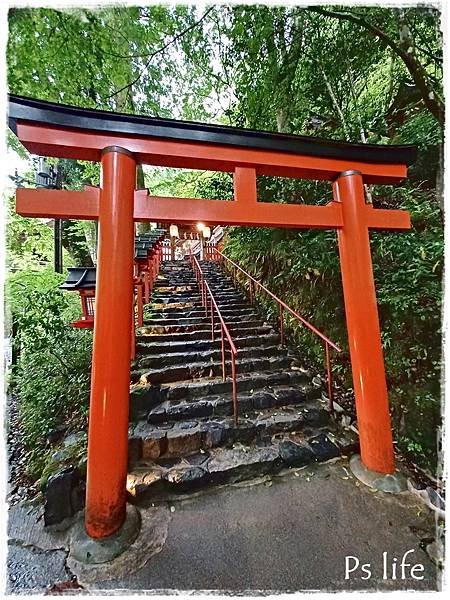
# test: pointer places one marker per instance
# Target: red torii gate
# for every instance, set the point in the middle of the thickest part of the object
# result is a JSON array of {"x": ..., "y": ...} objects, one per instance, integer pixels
[{"x": 120, "y": 142}]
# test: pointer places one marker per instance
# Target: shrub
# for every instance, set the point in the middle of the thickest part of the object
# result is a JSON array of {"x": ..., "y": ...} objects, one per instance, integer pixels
[{"x": 52, "y": 376}]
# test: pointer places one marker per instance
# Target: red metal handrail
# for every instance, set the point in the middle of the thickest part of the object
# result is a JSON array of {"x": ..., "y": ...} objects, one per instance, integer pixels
[
  {"x": 283, "y": 306},
  {"x": 224, "y": 331}
]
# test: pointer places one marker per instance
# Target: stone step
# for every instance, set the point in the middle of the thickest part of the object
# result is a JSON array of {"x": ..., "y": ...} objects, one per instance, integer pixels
[
  {"x": 190, "y": 299},
  {"x": 145, "y": 396},
  {"x": 183, "y": 435},
  {"x": 236, "y": 300},
  {"x": 178, "y": 289},
  {"x": 175, "y": 276},
  {"x": 165, "y": 270},
  {"x": 186, "y": 270},
  {"x": 180, "y": 298},
  {"x": 216, "y": 275},
  {"x": 167, "y": 288},
  {"x": 176, "y": 263},
  {"x": 193, "y": 311},
  {"x": 175, "y": 266},
  {"x": 164, "y": 359},
  {"x": 246, "y": 318},
  {"x": 267, "y": 398},
  {"x": 220, "y": 283},
  {"x": 172, "y": 286},
  {"x": 195, "y": 292},
  {"x": 193, "y": 344},
  {"x": 168, "y": 307},
  {"x": 228, "y": 296},
  {"x": 168, "y": 282},
  {"x": 218, "y": 279},
  {"x": 179, "y": 438},
  {"x": 201, "y": 370},
  {"x": 150, "y": 480},
  {"x": 203, "y": 331}
]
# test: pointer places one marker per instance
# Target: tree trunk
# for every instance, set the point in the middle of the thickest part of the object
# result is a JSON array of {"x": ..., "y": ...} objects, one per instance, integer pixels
[
  {"x": 335, "y": 102},
  {"x": 75, "y": 244},
  {"x": 90, "y": 233}
]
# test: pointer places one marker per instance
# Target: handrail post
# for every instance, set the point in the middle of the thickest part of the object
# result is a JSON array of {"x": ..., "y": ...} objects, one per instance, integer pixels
[
  {"x": 212, "y": 320},
  {"x": 329, "y": 378},
  {"x": 224, "y": 368},
  {"x": 140, "y": 304},
  {"x": 281, "y": 325},
  {"x": 233, "y": 375},
  {"x": 147, "y": 284},
  {"x": 155, "y": 270}
]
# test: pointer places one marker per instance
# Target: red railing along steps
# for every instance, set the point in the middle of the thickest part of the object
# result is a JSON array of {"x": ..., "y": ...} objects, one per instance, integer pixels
[
  {"x": 284, "y": 307},
  {"x": 208, "y": 297}
]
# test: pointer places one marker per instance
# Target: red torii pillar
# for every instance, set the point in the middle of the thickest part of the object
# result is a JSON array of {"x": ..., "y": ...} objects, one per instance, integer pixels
[
  {"x": 110, "y": 382},
  {"x": 366, "y": 352}
]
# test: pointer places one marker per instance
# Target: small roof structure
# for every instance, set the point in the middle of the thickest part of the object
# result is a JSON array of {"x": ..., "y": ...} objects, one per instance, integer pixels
[{"x": 79, "y": 278}]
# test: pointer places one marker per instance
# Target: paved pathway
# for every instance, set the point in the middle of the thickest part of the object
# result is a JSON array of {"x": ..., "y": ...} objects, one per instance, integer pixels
[{"x": 292, "y": 534}]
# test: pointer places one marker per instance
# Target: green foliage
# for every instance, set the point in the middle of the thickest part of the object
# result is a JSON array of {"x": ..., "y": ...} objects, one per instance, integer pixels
[
  {"x": 51, "y": 379},
  {"x": 29, "y": 242},
  {"x": 408, "y": 272}
]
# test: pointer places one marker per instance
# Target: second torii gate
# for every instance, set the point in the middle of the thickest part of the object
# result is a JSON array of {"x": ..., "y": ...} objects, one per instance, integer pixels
[{"x": 120, "y": 142}]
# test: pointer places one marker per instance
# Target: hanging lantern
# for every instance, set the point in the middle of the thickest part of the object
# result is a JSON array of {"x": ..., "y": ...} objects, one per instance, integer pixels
[
  {"x": 82, "y": 280},
  {"x": 206, "y": 233},
  {"x": 173, "y": 230},
  {"x": 46, "y": 176}
]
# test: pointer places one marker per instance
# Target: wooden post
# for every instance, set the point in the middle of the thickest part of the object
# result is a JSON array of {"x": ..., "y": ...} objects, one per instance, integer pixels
[
  {"x": 108, "y": 417},
  {"x": 369, "y": 378},
  {"x": 58, "y": 254},
  {"x": 140, "y": 304}
]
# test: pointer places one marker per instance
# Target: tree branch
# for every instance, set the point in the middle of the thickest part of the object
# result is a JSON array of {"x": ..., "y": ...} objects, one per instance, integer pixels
[
  {"x": 438, "y": 58},
  {"x": 159, "y": 50},
  {"x": 429, "y": 95}
]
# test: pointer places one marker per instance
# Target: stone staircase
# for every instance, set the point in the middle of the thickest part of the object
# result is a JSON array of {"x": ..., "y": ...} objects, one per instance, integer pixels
[{"x": 182, "y": 432}]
